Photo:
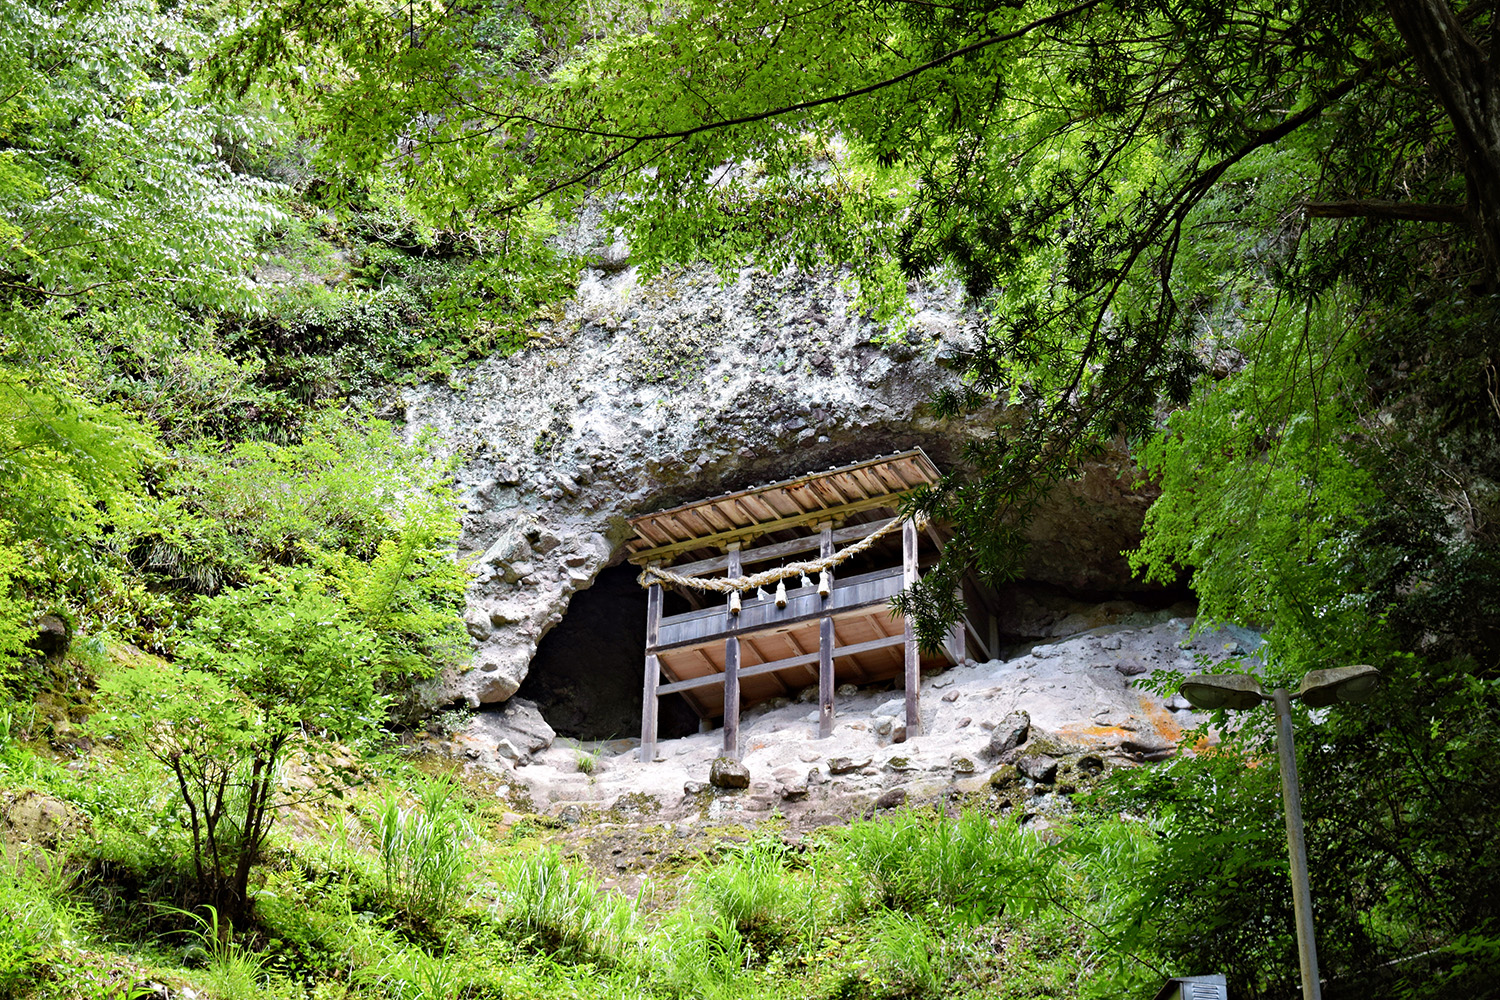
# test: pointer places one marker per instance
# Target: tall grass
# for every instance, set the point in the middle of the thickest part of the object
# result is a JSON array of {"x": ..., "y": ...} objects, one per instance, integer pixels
[
  {"x": 560, "y": 909},
  {"x": 426, "y": 851},
  {"x": 34, "y": 916},
  {"x": 917, "y": 862},
  {"x": 758, "y": 888}
]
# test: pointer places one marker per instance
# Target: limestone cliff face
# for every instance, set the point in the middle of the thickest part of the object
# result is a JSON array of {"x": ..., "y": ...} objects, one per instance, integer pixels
[{"x": 638, "y": 396}]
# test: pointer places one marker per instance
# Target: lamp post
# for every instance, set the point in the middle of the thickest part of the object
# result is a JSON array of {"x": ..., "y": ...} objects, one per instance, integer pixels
[{"x": 1319, "y": 689}]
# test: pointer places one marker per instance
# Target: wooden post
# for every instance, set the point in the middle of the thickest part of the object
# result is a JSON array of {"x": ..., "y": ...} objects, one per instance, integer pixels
[
  {"x": 825, "y": 643},
  {"x": 732, "y": 672},
  {"x": 958, "y": 642},
  {"x": 649, "y": 700},
  {"x": 913, "y": 662}
]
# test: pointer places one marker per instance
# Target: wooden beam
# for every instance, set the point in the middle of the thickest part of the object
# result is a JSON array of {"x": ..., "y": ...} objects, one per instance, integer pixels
[
  {"x": 825, "y": 643},
  {"x": 913, "y": 663},
  {"x": 801, "y": 660},
  {"x": 650, "y": 696},
  {"x": 664, "y": 552},
  {"x": 732, "y": 673},
  {"x": 780, "y": 550},
  {"x": 984, "y": 647},
  {"x": 870, "y": 590}
]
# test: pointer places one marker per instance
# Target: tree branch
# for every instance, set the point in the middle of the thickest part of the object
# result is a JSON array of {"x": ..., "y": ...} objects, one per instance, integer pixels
[{"x": 1373, "y": 209}]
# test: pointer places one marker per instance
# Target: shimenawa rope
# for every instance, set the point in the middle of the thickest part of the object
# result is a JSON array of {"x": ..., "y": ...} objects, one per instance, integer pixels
[{"x": 734, "y": 585}]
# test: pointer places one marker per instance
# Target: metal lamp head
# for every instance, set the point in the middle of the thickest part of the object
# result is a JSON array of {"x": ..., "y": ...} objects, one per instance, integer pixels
[
  {"x": 1211, "y": 691},
  {"x": 1321, "y": 688}
]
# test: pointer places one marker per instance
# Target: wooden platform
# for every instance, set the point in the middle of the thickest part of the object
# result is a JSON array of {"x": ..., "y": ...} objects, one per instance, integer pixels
[
  {"x": 745, "y": 649},
  {"x": 779, "y": 648}
]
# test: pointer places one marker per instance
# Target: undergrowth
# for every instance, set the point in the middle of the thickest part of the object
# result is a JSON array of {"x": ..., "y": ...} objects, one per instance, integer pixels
[{"x": 406, "y": 888}]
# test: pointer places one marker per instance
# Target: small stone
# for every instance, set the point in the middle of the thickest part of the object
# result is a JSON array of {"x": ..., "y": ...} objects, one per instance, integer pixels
[
  {"x": 900, "y": 764},
  {"x": 846, "y": 690},
  {"x": 961, "y": 765},
  {"x": 1004, "y": 778},
  {"x": 846, "y": 765},
  {"x": 508, "y": 750},
  {"x": 691, "y": 787},
  {"x": 951, "y": 697},
  {"x": 726, "y": 772},
  {"x": 808, "y": 756},
  {"x": 1110, "y": 642},
  {"x": 794, "y": 790},
  {"x": 963, "y": 723},
  {"x": 893, "y": 708},
  {"x": 892, "y": 799},
  {"x": 571, "y": 815},
  {"x": 898, "y": 733},
  {"x": 883, "y": 725},
  {"x": 1041, "y": 768},
  {"x": 815, "y": 776}
]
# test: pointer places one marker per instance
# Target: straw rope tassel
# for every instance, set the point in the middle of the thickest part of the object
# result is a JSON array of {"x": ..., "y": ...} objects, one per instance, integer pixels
[
  {"x": 825, "y": 585},
  {"x": 781, "y": 593},
  {"x": 734, "y": 602}
]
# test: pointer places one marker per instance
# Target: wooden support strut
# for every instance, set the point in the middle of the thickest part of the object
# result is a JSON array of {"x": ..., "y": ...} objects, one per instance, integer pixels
[
  {"x": 649, "y": 696},
  {"x": 825, "y": 642},
  {"x": 913, "y": 662},
  {"x": 732, "y": 671}
]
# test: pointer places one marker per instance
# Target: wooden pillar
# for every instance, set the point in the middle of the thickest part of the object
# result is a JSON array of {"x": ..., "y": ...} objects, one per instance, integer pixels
[
  {"x": 913, "y": 661},
  {"x": 732, "y": 670},
  {"x": 958, "y": 643},
  {"x": 649, "y": 699},
  {"x": 825, "y": 642}
]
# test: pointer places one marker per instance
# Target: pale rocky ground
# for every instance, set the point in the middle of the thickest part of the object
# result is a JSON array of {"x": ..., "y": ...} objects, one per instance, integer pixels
[{"x": 1085, "y": 714}]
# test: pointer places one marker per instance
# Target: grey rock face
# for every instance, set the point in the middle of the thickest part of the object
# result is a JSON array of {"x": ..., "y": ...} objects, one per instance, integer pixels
[{"x": 726, "y": 772}]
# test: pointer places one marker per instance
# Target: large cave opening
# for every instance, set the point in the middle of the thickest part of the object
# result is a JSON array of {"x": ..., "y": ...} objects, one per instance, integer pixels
[{"x": 586, "y": 675}]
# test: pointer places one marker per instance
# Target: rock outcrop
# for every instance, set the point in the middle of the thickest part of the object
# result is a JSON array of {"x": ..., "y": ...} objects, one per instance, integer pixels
[{"x": 639, "y": 395}]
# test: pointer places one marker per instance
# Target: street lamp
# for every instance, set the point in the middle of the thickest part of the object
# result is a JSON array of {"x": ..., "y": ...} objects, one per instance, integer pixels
[{"x": 1319, "y": 689}]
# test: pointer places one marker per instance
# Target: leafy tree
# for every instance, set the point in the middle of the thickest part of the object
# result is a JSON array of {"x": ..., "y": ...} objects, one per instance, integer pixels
[{"x": 289, "y": 657}]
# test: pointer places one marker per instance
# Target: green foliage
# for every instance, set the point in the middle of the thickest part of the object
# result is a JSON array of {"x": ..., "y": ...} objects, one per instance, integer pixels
[
  {"x": 426, "y": 852},
  {"x": 35, "y": 916},
  {"x": 114, "y": 178},
  {"x": 920, "y": 862},
  {"x": 561, "y": 909}
]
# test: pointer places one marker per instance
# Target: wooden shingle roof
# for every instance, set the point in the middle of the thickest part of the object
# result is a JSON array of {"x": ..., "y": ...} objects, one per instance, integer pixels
[{"x": 835, "y": 494}]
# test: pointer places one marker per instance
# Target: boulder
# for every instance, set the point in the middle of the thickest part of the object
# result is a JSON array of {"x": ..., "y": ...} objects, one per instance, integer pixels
[
  {"x": 892, "y": 799},
  {"x": 1008, "y": 734},
  {"x": 726, "y": 772}
]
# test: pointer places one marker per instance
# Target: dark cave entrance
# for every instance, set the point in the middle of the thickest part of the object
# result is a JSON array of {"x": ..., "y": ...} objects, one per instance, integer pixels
[{"x": 586, "y": 675}]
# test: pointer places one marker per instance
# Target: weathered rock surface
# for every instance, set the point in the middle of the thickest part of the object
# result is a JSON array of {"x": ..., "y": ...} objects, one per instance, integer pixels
[
  {"x": 638, "y": 396},
  {"x": 1070, "y": 715}
]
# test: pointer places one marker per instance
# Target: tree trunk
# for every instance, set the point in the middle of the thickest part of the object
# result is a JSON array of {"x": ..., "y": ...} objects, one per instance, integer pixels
[{"x": 1462, "y": 77}]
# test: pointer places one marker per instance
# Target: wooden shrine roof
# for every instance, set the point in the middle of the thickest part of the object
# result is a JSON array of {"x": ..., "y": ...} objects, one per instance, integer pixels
[{"x": 835, "y": 494}]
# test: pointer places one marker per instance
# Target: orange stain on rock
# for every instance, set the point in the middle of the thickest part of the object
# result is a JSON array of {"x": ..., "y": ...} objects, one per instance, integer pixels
[{"x": 1161, "y": 720}]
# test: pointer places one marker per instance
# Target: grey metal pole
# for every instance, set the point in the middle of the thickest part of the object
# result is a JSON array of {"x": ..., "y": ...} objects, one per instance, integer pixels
[{"x": 1291, "y": 801}]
